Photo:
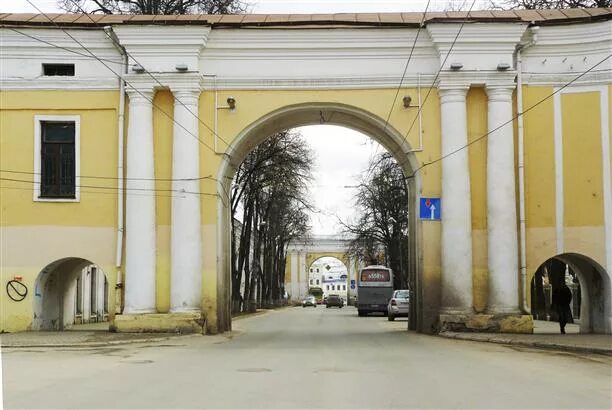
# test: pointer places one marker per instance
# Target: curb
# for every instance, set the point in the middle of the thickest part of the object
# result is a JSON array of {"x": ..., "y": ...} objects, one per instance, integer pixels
[
  {"x": 109, "y": 343},
  {"x": 536, "y": 345}
]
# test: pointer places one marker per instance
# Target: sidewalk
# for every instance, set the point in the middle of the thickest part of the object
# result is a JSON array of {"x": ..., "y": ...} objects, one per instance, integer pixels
[
  {"x": 92, "y": 335},
  {"x": 546, "y": 336},
  {"x": 89, "y": 335}
]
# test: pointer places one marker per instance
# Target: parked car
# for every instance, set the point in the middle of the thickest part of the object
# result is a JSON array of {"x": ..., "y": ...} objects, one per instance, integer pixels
[
  {"x": 335, "y": 300},
  {"x": 309, "y": 301},
  {"x": 399, "y": 304}
]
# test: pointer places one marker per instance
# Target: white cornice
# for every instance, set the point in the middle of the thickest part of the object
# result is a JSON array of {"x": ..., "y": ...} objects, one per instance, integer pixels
[
  {"x": 161, "y": 48},
  {"x": 558, "y": 80},
  {"x": 317, "y": 39},
  {"x": 466, "y": 79},
  {"x": 479, "y": 46},
  {"x": 316, "y": 83},
  {"x": 172, "y": 81},
  {"x": 55, "y": 83}
]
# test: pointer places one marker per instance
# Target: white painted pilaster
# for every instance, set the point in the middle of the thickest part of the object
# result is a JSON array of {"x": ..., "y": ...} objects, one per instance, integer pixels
[
  {"x": 295, "y": 290},
  {"x": 456, "y": 205},
  {"x": 559, "y": 201},
  {"x": 501, "y": 204},
  {"x": 303, "y": 282},
  {"x": 140, "y": 242},
  {"x": 186, "y": 236}
]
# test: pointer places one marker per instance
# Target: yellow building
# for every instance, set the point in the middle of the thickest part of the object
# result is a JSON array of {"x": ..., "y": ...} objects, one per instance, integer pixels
[{"x": 120, "y": 135}]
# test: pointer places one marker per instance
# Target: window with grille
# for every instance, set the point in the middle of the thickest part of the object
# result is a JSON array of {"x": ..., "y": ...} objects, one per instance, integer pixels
[
  {"x": 58, "y": 70},
  {"x": 57, "y": 152}
]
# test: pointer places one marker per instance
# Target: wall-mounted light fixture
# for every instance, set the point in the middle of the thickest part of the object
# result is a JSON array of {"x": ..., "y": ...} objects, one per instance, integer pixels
[
  {"x": 137, "y": 68},
  {"x": 407, "y": 100},
  {"x": 456, "y": 66},
  {"x": 181, "y": 67},
  {"x": 231, "y": 103},
  {"x": 503, "y": 66}
]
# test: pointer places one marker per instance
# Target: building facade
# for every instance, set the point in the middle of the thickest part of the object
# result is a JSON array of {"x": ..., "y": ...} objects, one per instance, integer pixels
[{"x": 120, "y": 136}]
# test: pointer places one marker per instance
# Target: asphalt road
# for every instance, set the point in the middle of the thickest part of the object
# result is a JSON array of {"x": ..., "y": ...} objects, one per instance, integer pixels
[{"x": 306, "y": 358}]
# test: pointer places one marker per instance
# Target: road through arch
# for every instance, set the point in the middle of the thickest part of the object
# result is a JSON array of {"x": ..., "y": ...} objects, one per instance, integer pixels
[{"x": 298, "y": 115}]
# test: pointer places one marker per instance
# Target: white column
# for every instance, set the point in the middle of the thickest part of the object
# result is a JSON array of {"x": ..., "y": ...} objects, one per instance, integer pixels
[
  {"x": 352, "y": 275},
  {"x": 456, "y": 205},
  {"x": 295, "y": 290},
  {"x": 186, "y": 234},
  {"x": 501, "y": 205},
  {"x": 303, "y": 285},
  {"x": 140, "y": 242}
]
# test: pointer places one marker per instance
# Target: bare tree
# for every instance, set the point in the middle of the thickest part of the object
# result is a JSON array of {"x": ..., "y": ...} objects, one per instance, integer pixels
[
  {"x": 550, "y": 4},
  {"x": 381, "y": 229},
  {"x": 270, "y": 190},
  {"x": 154, "y": 6}
]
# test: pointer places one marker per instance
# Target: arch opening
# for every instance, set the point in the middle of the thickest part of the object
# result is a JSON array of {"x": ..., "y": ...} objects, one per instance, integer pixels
[
  {"x": 589, "y": 284},
  {"x": 68, "y": 292},
  {"x": 301, "y": 115},
  {"x": 329, "y": 275}
]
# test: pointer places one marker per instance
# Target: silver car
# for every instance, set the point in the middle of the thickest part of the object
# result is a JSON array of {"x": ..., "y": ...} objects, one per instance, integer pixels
[
  {"x": 399, "y": 304},
  {"x": 309, "y": 301}
]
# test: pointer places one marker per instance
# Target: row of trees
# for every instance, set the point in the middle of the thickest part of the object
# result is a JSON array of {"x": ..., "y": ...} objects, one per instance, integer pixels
[
  {"x": 240, "y": 6},
  {"x": 154, "y": 6},
  {"x": 381, "y": 229},
  {"x": 269, "y": 208}
]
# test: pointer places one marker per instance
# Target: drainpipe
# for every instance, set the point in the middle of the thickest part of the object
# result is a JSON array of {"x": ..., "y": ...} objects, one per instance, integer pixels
[
  {"x": 521, "y": 166},
  {"x": 120, "y": 146}
]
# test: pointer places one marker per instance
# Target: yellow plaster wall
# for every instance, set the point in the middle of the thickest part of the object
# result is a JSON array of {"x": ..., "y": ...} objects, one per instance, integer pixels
[
  {"x": 583, "y": 217},
  {"x": 29, "y": 230},
  {"x": 539, "y": 178},
  {"x": 477, "y": 152},
  {"x": 98, "y": 157},
  {"x": 582, "y": 167},
  {"x": 582, "y": 176},
  {"x": 163, "y": 113}
]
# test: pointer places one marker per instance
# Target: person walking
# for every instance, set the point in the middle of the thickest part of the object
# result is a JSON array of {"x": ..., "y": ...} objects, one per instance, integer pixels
[{"x": 561, "y": 298}]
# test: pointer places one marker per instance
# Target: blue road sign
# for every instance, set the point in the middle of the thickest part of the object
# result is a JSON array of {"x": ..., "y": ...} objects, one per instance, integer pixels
[
  {"x": 352, "y": 286},
  {"x": 430, "y": 209},
  {"x": 352, "y": 282}
]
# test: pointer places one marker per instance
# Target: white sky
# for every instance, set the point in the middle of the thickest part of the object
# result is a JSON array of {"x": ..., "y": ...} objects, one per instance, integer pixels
[{"x": 341, "y": 154}]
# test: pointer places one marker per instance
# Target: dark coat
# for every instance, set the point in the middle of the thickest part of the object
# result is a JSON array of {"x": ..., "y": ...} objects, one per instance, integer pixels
[{"x": 561, "y": 299}]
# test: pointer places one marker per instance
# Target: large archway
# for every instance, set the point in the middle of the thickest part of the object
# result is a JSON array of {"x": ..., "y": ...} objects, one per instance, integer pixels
[
  {"x": 329, "y": 274},
  {"x": 592, "y": 292},
  {"x": 302, "y": 115},
  {"x": 68, "y": 291}
]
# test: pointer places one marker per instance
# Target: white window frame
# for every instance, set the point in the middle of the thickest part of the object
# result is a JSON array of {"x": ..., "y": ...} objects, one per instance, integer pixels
[{"x": 38, "y": 120}]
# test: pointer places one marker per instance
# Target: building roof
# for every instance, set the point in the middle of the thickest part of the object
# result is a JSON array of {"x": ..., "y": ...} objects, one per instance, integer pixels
[{"x": 539, "y": 17}]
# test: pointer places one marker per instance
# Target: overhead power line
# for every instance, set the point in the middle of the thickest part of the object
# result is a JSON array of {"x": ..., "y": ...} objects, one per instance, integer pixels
[
  {"x": 10, "y": 171},
  {"x": 127, "y": 82},
  {"x": 487, "y": 134},
  {"x": 110, "y": 188},
  {"x": 150, "y": 74}
]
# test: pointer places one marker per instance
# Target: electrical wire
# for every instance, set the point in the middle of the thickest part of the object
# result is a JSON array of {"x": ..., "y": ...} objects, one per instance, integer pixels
[
  {"x": 433, "y": 83},
  {"x": 144, "y": 194},
  {"x": 127, "y": 82},
  {"x": 406, "y": 66},
  {"x": 487, "y": 134},
  {"x": 150, "y": 74},
  {"x": 397, "y": 91},
  {"x": 180, "y": 191},
  {"x": 9, "y": 171},
  {"x": 58, "y": 46}
]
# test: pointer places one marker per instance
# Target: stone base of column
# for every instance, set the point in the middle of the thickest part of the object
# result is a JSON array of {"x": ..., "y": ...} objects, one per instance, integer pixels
[
  {"x": 159, "y": 323},
  {"x": 491, "y": 323}
]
